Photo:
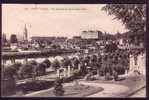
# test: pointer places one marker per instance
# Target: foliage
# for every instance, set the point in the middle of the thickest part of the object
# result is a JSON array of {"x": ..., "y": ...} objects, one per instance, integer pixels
[
  {"x": 8, "y": 80},
  {"x": 55, "y": 46},
  {"x": 75, "y": 62},
  {"x": 115, "y": 74},
  {"x": 133, "y": 16},
  {"x": 32, "y": 62},
  {"x": 56, "y": 64},
  {"x": 25, "y": 71},
  {"x": 17, "y": 65},
  {"x": 35, "y": 85},
  {"x": 58, "y": 88},
  {"x": 47, "y": 62},
  {"x": 93, "y": 58},
  {"x": 107, "y": 36},
  {"x": 11, "y": 70},
  {"x": 7, "y": 86},
  {"x": 111, "y": 47},
  {"x": 66, "y": 62},
  {"x": 87, "y": 59},
  {"x": 41, "y": 69},
  {"x": 8, "y": 72}
]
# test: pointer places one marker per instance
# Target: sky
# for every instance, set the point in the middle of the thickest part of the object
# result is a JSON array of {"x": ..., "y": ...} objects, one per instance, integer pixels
[{"x": 66, "y": 20}]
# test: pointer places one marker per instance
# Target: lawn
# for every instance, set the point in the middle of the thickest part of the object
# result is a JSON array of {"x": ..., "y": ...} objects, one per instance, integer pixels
[{"x": 71, "y": 91}]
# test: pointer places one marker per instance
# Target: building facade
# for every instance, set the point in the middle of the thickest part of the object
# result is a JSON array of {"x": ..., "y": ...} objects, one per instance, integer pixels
[{"x": 90, "y": 34}]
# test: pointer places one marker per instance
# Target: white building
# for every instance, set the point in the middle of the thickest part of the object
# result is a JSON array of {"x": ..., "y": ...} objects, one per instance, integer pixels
[{"x": 89, "y": 34}]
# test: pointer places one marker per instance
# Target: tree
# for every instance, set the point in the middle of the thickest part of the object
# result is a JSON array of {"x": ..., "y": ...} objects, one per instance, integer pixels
[
  {"x": 66, "y": 62},
  {"x": 33, "y": 62},
  {"x": 13, "y": 38},
  {"x": 75, "y": 62},
  {"x": 8, "y": 80},
  {"x": 55, "y": 46},
  {"x": 47, "y": 62},
  {"x": 118, "y": 35},
  {"x": 4, "y": 39},
  {"x": 86, "y": 60},
  {"x": 41, "y": 69},
  {"x": 111, "y": 47},
  {"x": 93, "y": 63},
  {"x": 56, "y": 64},
  {"x": 133, "y": 16},
  {"x": 94, "y": 58},
  {"x": 26, "y": 71},
  {"x": 34, "y": 65}
]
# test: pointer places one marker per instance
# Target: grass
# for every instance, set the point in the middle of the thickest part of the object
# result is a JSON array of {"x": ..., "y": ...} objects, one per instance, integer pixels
[
  {"x": 73, "y": 91},
  {"x": 30, "y": 87},
  {"x": 81, "y": 90}
]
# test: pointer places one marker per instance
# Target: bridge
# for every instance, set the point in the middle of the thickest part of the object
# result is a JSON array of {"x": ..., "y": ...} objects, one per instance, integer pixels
[{"x": 34, "y": 54}]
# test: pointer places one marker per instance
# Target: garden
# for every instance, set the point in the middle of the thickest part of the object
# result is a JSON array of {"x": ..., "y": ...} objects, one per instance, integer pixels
[{"x": 110, "y": 66}]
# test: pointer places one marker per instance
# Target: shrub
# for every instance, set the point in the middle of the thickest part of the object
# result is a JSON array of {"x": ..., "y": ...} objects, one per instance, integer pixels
[
  {"x": 8, "y": 80},
  {"x": 94, "y": 58},
  {"x": 87, "y": 59},
  {"x": 32, "y": 62},
  {"x": 47, "y": 62},
  {"x": 56, "y": 64},
  {"x": 76, "y": 73},
  {"x": 9, "y": 72},
  {"x": 66, "y": 62},
  {"x": 111, "y": 47},
  {"x": 115, "y": 75},
  {"x": 75, "y": 62},
  {"x": 58, "y": 88},
  {"x": 108, "y": 76},
  {"x": 120, "y": 69},
  {"x": 17, "y": 65},
  {"x": 41, "y": 69},
  {"x": 8, "y": 86},
  {"x": 26, "y": 71},
  {"x": 36, "y": 85}
]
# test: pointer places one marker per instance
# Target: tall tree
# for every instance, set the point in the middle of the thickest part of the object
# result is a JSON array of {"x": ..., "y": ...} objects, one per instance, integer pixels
[{"x": 133, "y": 16}]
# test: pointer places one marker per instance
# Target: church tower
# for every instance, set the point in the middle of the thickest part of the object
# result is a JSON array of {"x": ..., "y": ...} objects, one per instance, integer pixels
[{"x": 25, "y": 34}]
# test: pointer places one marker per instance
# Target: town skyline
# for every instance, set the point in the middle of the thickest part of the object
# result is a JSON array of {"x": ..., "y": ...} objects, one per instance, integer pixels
[{"x": 57, "y": 20}]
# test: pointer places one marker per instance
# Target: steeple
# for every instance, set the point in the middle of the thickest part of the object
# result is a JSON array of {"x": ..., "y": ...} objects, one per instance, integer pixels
[{"x": 25, "y": 33}]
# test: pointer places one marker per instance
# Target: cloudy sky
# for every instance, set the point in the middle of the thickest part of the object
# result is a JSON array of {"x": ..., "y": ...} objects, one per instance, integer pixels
[{"x": 57, "y": 19}]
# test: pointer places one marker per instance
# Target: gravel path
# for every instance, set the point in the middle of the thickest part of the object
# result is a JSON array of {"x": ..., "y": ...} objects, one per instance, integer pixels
[
  {"x": 110, "y": 90},
  {"x": 141, "y": 93}
]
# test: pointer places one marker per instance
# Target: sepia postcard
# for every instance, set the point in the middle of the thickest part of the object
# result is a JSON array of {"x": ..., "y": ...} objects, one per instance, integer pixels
[{"x": 73, "y": 50}]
